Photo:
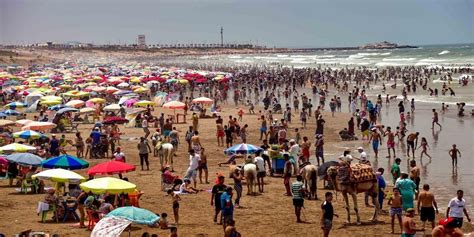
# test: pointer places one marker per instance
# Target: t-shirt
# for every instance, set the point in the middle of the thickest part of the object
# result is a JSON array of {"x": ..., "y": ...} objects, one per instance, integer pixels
[
  {"x": 95, "y": 137},
  {"x": 260, "y": 162},
  {"x": 54, "y": 144},
  {"x": 295, "y": 189},
  {"x": 218, "y": 190},
  {"x": 226, "y": 204},
  {"x": 347, "y": 158},
  {"x": 363, "y": 155},
  {"x": 194, "y": 161},
  {"x": 456, "y": 207},
  {"x": 119, "y": 156},
  {"x": 395, "y": 169},
  {"x": 294, "y": 150},
  {"x": 328, "y": 210},
  {"x": 144, "y": 123}
]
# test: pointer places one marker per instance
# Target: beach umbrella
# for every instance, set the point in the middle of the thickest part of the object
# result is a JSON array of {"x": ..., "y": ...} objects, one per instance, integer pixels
[
  {"x": 140, "y": 90},
  {"x": 242, "y": 149},
  {"x": 203, "y": 100},
  {"x": 174, "y": 105},
  {"x": 110, "y": 226},
  {"x": 39, "y": 126},
  {"x": 130, "y": 102},
  {"x": 111, "y": 89},
  {"x": 59, "y": 175},
  {"x": 27, "y": 134},
  {"x": 97, "y": 100},
  {"x": 23, "y": 122},
  {"x": 16, "y": 147},
  {"x": 50, "y": 102},
  {"x": 14, "y": 105},
  {"x": 11, "y": 112},
  {"x": 111, "y": 167},
  {"x": 135, "y": 215},
  {"x": 58, "y": 107},
  {"x": 51, "y": 98},
  {"x": 109, "y": 185},
  {"x": 112, "y": 107},
  {"x": 4, "y": 122},
  {"x": 25, "y": 159},
  {"x": 123, "y": 85},
  {"x": 66, "y": 162},
  {"x": 65, "y": 110},
  {"x": 144, "y": 103},
  {"x": 115, "y": 120},
  {"x": 86, "y": 110},
  {"x": 75, "y": 103}
]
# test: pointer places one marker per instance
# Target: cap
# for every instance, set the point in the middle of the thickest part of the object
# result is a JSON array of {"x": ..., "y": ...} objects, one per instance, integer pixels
[
  {"x": 292, "y": 140},
  {"x": 360, "y": 148},
  {"x": 53, "y": 135},
  {"x": 410, "y": 210}
]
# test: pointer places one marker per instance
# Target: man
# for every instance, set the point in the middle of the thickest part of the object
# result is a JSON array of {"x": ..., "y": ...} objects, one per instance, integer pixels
[
  {"x": 261, "y": 173},
  {"x": 409, "y": 225},
  {"x": 376, "y": 140},
  {"x": 435, "y": 119},
  {"x": 447, "y": 228},
  {"x": 456, "y": 208},
  {"x": 194, "y": 160},
  {"x": 395, "y": 170},
  {"x": 454, "y": 155},
  {"x": 412, "y": 142},
  {"x": 426, "y": 210},
  {"x": 294, "y": 152},
  {"x": 145, "y": 126},
  {"x": 217, "y": 191},
  {"x": 327, "y": 214},
  {"x": 265, "y": 157},
  {"x": 143, "y": 151},
  {"x": 415, "y": 176},
  {"x": 298, "y": 201},
  {"x": 363, "y": 156},
  {"x": 227, "y": 206},
  {"x": 390, "y": 141},
  {"x": 54, "y": 146},
  {"x": 287, "y": 172},
  {"x": 188, "y": 136},
  {"x": 319, "y": 148}
]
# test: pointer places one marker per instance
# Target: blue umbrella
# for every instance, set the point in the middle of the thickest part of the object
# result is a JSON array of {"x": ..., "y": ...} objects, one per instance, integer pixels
[
  {"x": 65, "y": 162},
  {"x": 135, "y": 214},
  {"x": 11, "y": 112},
  {"x": 25, "y": 159},
  {"x": 58, "y": 107},
  {"x": 64, "y": 110},
  {"x": 242, "y": 149}
]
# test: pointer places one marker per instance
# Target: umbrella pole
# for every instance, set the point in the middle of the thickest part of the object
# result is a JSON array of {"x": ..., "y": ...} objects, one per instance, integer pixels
[{"x": 129, "y": 230}]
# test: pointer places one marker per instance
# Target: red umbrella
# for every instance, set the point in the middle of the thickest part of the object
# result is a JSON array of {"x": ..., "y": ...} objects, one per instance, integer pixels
[
  {"x": 111, "y": 167},
  {"x": 115, "y": 119}
]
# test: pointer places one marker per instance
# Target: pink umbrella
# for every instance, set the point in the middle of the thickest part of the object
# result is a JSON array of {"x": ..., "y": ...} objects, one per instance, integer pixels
[{"x": 130, "y": 102}]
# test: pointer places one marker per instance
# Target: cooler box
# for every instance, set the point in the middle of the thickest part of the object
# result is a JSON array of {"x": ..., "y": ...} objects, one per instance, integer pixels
[{"x": 278, "y": 164}]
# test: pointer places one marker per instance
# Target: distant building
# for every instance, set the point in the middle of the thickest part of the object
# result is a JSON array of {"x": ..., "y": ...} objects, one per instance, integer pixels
[{"x": 141, "y": 41}]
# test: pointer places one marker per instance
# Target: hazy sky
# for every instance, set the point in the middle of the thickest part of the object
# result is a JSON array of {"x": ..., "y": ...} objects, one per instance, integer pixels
[{"x": 292, "y": 23}]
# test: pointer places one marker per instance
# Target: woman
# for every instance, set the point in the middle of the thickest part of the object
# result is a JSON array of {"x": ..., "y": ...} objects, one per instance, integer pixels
[
  {"x": 80, "y": 206},
  {"x": 407, "y": 190},
  {"x": 79, "y": 145},
  {"x": 237, "y": 176}
]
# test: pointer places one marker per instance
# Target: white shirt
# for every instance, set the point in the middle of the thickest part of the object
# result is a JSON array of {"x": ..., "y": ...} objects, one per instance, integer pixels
[
  {"x": 347, "y": 158},
  {"x": 260, "y": 163},
  {"x": 194, "y": 161},
  {"x": 363, "y": 155},
  {"x": 456, "y": 207},
  {"x": 294, "y": 151},
  {"x": 119, "y": 156}
]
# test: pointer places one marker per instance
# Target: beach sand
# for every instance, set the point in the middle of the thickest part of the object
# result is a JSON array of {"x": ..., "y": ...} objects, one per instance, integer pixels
[{"x": 269, "y": 214}]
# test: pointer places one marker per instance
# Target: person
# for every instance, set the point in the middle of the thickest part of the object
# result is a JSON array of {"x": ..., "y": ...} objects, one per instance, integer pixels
[
  {"x": 363, "y": 156},
  {"x": 228, "y": 136},
  {"x": 173, "y": 232},
  {"x": 304, "y": 117},
  {"x": 230, "y": 230},
  {"x": 407, "y": 189},
  {"x": 454, "y": 155},
  {"x": 327, "y": 214},
  {"x": 80, "y": 206},
  {"x": 261, "y": 173},
  {"x": 220, "y": 134},
  {"x": 447, "y": 228},
  {"x": 163, "y": 222},
  {"x": 193, "y": 166},
  {"x": 175, "y": 199},
  {"x": 237, "y": 177},
  {"x": 294, "y": 155},
  {"x": 185, "y": 187},
  {"x": 376, "y": 139},
  {"x": 382, "y": 186},
  {"x": 227, "y": 206},
  {"x": 143, "y": 151},
  {"x": 54, "y": 146},
  {"x": 174, "y": 139},
  {"x": 189, "y": 134},
  {"x": 145, "y": 126},
  {"x": 196, "y": 142},
  {"x": 395, "y": 202},
  {"x": 412, "y": 142},
  {"x": 79, "y": 144},
  {"x": 217, "y": 191},
  {"x": 263, "y": 127},
  {"x": 119, "y": 155},
  {"x": 319, "y": 144},
  {"x": 395, "y": 170},
  {"x": 287, "y": 173},
  {"x": 424, "y": 145},
  {"x": 456, "y": 208},
  {"x": 195, "y": 119},
  {"x": 435, "y": 119},
  {"x": 305, "y": 146},
  {"x": 203, "y": 167},
  {"x": 298, "y": 190},
  {"x": 415, "y": 176},
  {"x": 427, "y": 206},
  {"x": 409, "y": 225}
]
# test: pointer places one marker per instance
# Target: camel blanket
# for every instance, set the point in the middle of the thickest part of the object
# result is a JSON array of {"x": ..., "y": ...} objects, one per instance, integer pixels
[{"x": 362, "y": 173}]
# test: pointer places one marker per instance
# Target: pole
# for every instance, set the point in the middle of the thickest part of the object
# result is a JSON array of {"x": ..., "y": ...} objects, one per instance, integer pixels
[{"x": 222, "y": 36}]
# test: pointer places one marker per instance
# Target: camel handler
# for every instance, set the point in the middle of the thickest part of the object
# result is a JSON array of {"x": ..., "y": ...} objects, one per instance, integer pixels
[
  {"x": 363, "y": 156},
  {"x": 345, "y": 167}
]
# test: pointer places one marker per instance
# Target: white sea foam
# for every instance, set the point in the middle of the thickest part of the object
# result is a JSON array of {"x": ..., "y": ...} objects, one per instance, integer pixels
[
  {"x": 398, "y": 59},
  {"x": 444, "y": 52},
  {"x": 433, "y": 60},
  {"x": 234, "y": 56}
]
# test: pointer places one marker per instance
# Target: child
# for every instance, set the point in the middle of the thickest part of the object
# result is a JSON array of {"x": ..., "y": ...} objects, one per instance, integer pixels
[
  {"x": 173, "y": 232},
  {"x": 424, "y": 145},
  {"x": 297, "y": 136},
  {"x": 241, "y": 114},
  {"x": 175, "y": 198},
  {"x": 163, "y": 223},
  {"x": 327, "y": 214},
  {"x": 395, "y": 203}
]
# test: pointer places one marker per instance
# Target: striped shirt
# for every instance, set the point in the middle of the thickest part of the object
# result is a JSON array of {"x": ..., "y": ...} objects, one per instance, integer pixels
[{"x": 295, "y": 189}]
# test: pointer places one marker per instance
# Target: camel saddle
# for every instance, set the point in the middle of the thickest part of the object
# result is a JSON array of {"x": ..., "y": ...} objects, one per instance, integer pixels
[{"x": 362, "y": 173}]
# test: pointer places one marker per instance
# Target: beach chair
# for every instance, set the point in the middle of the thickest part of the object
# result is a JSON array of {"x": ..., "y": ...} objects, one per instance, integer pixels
[
  {"x": 33, "y": 184},
  {"x": 93, "y": 218},
  {"x": 52, "y": 208}
]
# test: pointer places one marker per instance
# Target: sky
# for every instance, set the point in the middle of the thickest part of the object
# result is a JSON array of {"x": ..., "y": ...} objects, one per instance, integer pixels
[{"x": 273, "y": 23}]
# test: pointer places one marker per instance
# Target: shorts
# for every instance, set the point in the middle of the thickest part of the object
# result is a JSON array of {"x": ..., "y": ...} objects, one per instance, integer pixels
[
  {"x": 166, "y": 132},
  {"x": 190, "y": 174},
  {"x": 427, "y": 214},
  {"x": 390, "y": 144},
  {"x": 365, "y": 132},
  {"x": 203, "y": 166},
  {"x": 298, "y": 202},
  {"x": 375, "y": 145},
  {"x": 220, "y": 134},
  {"x": 411, "y": 144},
  {"x": 227, "y": 218},
  {"x": 417, "y": 180},
  {"x": 395, "y": 211},
  {"x": 261, "y": 174},
  {"x": 263, "y": 130},
  {"x": 175, "y": 205},
  {"x": 458, "y": 222},
  {"x": 327, "y": 224},
  {"x": 228, "y": 139}
]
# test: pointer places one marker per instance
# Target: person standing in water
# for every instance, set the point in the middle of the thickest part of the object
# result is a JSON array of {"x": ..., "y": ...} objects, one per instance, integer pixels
[
  {"x": 376, "y": 139},
  {"x": 424, "y": 145},
  {"x": 435, "y": 119},
  {"x": 390, "y": 141},
  {"x": 454, "y": 155}
]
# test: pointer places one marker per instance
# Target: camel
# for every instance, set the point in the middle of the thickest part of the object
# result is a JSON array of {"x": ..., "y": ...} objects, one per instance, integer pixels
[
  {"x": 165, "y": 151},
  {"x": 250, "y": 173},
  {"x": 310, "y": 173},
  {"x": 353, "y": 189}
]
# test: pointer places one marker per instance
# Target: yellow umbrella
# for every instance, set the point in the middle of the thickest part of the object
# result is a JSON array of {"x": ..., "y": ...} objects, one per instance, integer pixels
[
  {"x": 59, "y": 175},
  {"x": 144, "y": 103},
  {"x": 50, "y": 97},
  {"x": 86, "y": 110},
  {"x": 109, "y": 185},
  {"x": 97, "y": 100},
  {"x": 50, "y": 102},
  {"x": 140, "y": 90},
  {"x": 16, "y": 147}
]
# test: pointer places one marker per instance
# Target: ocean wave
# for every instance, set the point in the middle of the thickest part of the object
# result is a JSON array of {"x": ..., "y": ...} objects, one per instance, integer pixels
[
  {"x": 444, "y": 52},
  {"x": 282, "y": 55},
  {"x": 433, "y": 60},
  {"x": 234, "y": 56},
  {"x": 398, "y": 59}
]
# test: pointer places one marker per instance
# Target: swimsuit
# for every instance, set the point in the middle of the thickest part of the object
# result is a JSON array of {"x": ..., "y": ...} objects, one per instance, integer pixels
[{"x": 375, "y": 144}]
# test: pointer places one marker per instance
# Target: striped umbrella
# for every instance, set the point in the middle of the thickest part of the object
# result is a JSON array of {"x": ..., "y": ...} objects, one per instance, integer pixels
[
  {"x": 16, "y": 147},
  {"x": 25, "y": 159},
  {"x": 14, "y": 105},
  {"x": 27, "y": 134},
  {"x": 242, "y": 149},
  {"x": 65, "y": 162}
]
